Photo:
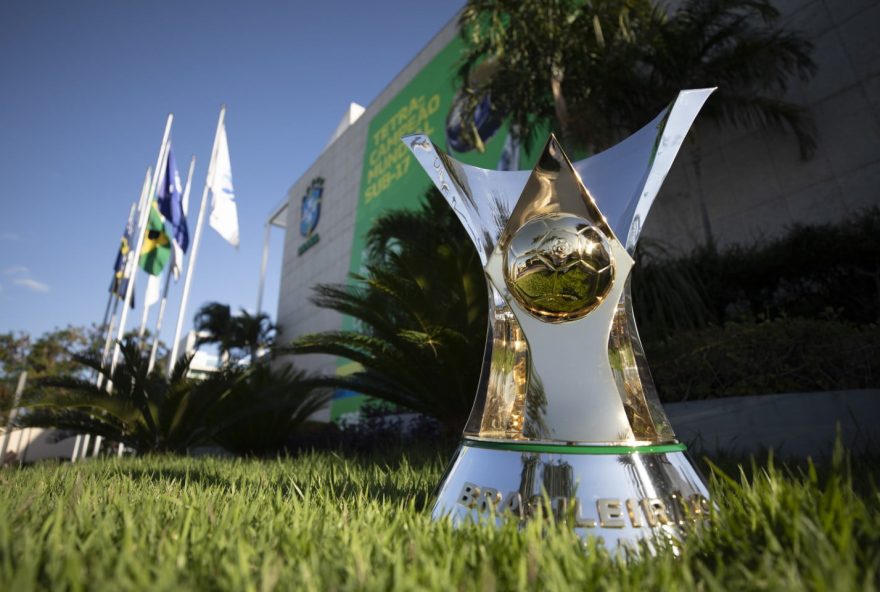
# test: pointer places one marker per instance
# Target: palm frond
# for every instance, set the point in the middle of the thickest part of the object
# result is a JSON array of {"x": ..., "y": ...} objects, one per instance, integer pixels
[
  {"x": 150, "y": 412},
  {"x": 420, "y": 312},
  {"x": 635, "y": 57}
]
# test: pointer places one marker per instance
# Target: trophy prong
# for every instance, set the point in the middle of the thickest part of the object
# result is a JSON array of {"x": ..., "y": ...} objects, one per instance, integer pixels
[
  {"x": 624, "y": 179},
  {"x": 483, "y": 218}
]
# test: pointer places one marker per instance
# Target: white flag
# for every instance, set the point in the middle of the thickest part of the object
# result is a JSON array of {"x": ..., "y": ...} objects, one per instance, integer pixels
[
  {"x": 224, "y": 216},
  {"x": 151, "y": 296}
]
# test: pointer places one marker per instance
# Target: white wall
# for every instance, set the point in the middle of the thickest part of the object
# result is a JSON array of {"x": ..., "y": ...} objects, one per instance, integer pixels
[
  {"x": 328, "y": 261},
  {"x": 32, "y": 444}
]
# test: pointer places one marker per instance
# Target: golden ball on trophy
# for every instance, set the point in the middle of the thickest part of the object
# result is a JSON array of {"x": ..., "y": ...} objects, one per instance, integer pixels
[{"x": 559, "y": 267}]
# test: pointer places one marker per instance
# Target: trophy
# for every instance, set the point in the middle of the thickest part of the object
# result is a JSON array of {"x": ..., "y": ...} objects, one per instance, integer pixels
[{"x": 567, "y": 423}]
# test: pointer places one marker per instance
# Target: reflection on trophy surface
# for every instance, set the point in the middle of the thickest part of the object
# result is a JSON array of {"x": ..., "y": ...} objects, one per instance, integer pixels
[
  {"x": 558, "y": 267},
  {"x": 566, "y": 416}
]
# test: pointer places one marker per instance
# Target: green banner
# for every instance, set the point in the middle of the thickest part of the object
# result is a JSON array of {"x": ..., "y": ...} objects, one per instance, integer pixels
[{"x": 391, "y": 177}]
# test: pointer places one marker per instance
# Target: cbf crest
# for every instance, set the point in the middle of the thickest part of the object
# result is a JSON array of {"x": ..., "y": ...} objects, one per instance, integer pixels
[{"x": 310, "y": 213}]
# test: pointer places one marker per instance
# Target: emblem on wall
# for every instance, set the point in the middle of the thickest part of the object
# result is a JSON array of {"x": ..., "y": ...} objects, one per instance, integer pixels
[{"x": 310, "y": 214}]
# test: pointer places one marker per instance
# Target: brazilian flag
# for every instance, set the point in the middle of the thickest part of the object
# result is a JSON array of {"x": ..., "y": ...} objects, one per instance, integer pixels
[{"x": 157, "y": 246}]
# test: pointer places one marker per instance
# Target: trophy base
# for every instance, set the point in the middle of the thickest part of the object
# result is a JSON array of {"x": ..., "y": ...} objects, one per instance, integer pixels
[{"x": 621, "y": 494}]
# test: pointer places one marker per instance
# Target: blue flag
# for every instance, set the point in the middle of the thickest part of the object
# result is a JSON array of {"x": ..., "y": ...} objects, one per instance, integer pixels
[
  {"x": 120, "y": 282},
  {"x": 170, "y": 200}
]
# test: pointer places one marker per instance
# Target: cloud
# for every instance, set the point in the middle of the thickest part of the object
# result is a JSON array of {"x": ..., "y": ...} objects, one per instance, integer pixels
[
  {"x": 16, "y": 270},
  {"x": 9, "y": 236},
  {"x": 30, "y": 284},
  {"x": 21, "y": 277}
]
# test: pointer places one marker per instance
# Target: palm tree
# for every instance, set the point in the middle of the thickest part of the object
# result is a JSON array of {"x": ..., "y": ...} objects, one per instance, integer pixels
[
  {"x": 618, "y": 74},
  {"x": 237, "y": 335},
  {"x": 270, "y": 406},
  {"x": 421, "y": 313},
  {"x": 150, "y": 412},
  {"x": 535, "y": 60},
  {"x": 213, "y": 325},
  {"x": 253, "y": 333},
  {"x": 735, "y": 45},
  {"x": 137, "y": 413}
]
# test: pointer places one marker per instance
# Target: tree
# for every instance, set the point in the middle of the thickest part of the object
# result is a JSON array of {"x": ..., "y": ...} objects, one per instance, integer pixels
[
  {"x": 421, "y": 315},
  {"x": 53, "y": 353},
  {"x": 14, "y": 349},
  {"x": 49, "y": 355},
  {"x": 150, "y": 412},
  {"x": 735, "y": 45},
  {"x": 235, "y": 336},
  {"x": 543, "y": 58},
  {"x": 270, "y": 406},
  {"x": 621, "y": 62},
  {"x": 253, "y": 333},
  {"x": 213, "y": 323}
]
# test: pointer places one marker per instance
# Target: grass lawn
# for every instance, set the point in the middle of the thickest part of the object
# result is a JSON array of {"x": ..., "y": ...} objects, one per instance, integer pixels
[{"x": 324, "y": 521}]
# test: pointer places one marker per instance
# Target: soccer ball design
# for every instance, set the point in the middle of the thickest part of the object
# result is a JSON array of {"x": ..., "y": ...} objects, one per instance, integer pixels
[{"x": 559, "y": 267}]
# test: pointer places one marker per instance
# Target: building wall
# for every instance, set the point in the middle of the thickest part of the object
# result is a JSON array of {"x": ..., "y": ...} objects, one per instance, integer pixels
[
  {"x": 30, "y": 445},
  {"x": 754, "y": 183},
  {"x": 328, "y": 261}
]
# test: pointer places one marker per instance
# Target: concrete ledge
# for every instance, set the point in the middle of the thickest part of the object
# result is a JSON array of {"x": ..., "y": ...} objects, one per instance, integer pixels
[{"x": 793, "y": 425}]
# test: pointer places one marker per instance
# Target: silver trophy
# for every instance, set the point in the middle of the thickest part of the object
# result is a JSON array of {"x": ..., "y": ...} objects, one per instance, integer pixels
[{"x": 566, "y": 419}]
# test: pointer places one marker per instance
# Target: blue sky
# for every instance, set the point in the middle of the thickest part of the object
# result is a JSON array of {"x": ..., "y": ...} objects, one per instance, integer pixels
[{"x": 86, "y": 89}]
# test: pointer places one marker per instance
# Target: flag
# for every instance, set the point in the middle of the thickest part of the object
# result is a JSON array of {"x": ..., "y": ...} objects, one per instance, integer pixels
[
  {"x": 172, "y": 208},
  {"x": 151, "y": 295},
  {"x": 157, "y": 246},
  {"x": 119, "y": 285},
  {"x": 224, "y": 216}
]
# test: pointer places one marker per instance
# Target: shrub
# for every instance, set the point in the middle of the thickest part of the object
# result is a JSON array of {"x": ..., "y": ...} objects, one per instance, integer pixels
[
  {"x": 809, "y": 272},
  {"x": 381, "y": 429},
  {"x": 782, "y": 355},
  {"x": 242, "y": 409}
]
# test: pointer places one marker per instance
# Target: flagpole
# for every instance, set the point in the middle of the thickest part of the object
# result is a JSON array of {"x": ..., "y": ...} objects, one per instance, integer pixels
[
  {"x": 125, "y": 269},
  {"x": 263, "y": 265},
  {"x": 128, "y": 270},
  {"x": 143, "y": 326},
  {"x": 141, "y": 228},
  {"x": 181, "y": 313},
  {"x": 106, "y": 324},
  {"x": 108, "y": 339},
  {"x": 105, "y": 328},
  {"x": 184, "y": 200},
  {"x": 76, "y": 444},
  {"x": 97, "y": 447},
  {"x": 130, "y": 267},
  {"x": 85, "y": 447}
]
